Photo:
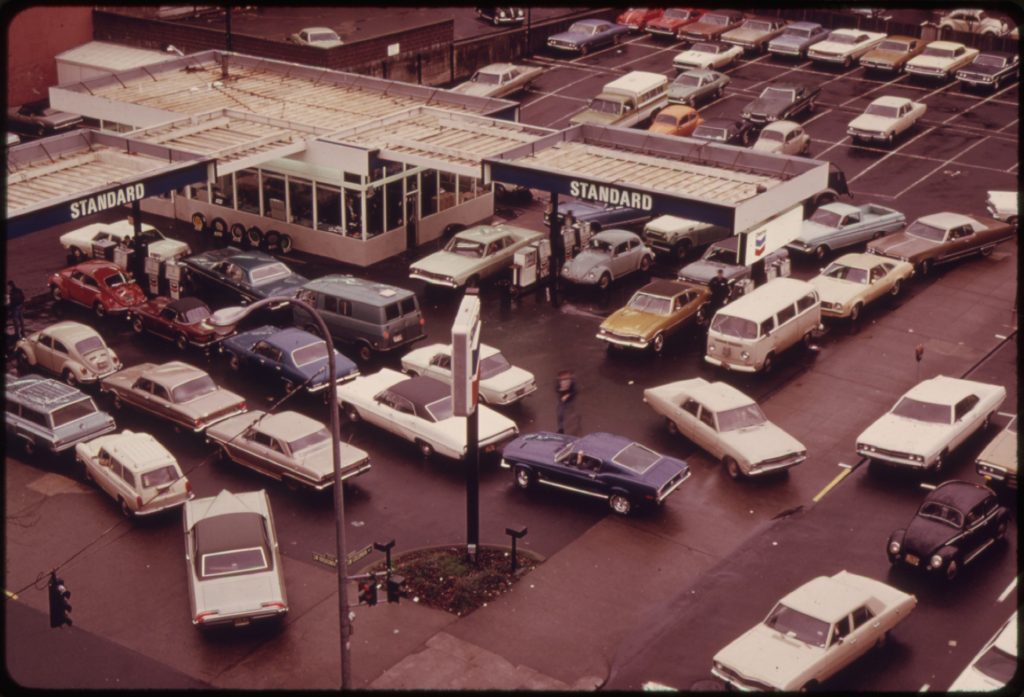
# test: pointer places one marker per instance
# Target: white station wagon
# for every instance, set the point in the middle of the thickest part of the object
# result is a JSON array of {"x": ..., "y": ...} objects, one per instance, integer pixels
[
  {"x": 930, "y": 421},
  {"x": 500, "y": 381},
  {"x": 473, "y": 254},
  {"x": 812, "y": 633},
  {"x": 72, "y": 350},
  {"x": 135, "y": 470},
  {"x": 728, "y": 424}
]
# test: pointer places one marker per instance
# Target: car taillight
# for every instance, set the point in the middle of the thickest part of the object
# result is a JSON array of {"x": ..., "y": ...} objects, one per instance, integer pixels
[
  {"x": 201, "y": 617},
  {"x": 423, "y": 322},
  {"x": 272, "y": 603},
  {"x": 241, "y": 405},
  {"x": 387, "y": 335},
  {"x": 188, "y": 486},
  {"x": 138, "y": 501},
  {"x": 198, "y": 423}
]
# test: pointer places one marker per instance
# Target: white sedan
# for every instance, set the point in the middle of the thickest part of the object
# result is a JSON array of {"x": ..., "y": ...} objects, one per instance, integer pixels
[
  {"x": 854, "y": 280},
  {"x": 930, "y": 421},
  {"x": 885, "y": 118},
  {"x": 500, "y": 381},
  {"x": 473, "y": 254},
  {"x": 995, "y": 665},
  {"x": 420, "y": 410},
  {"x": 706, "y": 55},
  {"x": 941, "y": 60},
  {"x": 728, "y": 424},
  {"x": 812, "y": 633}
]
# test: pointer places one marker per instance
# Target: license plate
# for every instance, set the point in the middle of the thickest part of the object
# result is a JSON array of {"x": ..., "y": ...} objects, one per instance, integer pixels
[
  {"x": 243, "y": 621},
  {"x": 913, "y": 560},
  {"x": 398, "y": 337}
]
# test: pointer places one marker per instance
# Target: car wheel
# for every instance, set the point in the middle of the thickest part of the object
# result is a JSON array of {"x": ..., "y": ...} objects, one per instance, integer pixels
[
  {"x": 811, "y": 686},
  {"x": 288, "y": 386},
  {"x": 584, "y": 50},
  {"x": 364, "y": 352},
  {"x": 671, "y": 427},
  {"x": 681, "y": 250},
  {"x": 286, "y": 244},
  {"x": 620, "y": 504},
  {"x": 820, "y": 252},
  {"x": 940, "y": 462},
  {"x": 426, "y": 449},
  {"x": 808, "y": 339},
  {"x": 523, "y": 478},
  {"x": 181, "y": 342},
  {"x": 847, "y": 62},
  {"x": 234, "y": 362},
  {"x": 137, "y": 326},
  {"x": 77, "y": 256},
  {"x": 116, "y": 403},
  {"x": 952, "y": 570},
  {"x": 645, "y": 263},
  {"x": 56, "y": 294},
  {"x": 69, "y": 377},
  {"x": 897, "y": 288},
  {"x": 658, "y": 343},
  {"x": 351, "y": 413},
  {"x": 237, "y": 233},
  {"x": 702, "y": 315},
  {"x": 1000, "y": 530},
  {"x": 473, "y": 281},
  {"x": 21, "y": 362},
  {"x": 855, "y": 312},
  {"x": 254, "y": 237},
  {"x": 987, "y": 251},
  {"x": 100, "y": 311},
  {"x": 29, "y": 446},
  {"x": 924, "y": 268},
  {"x": 125, "y": 510},
  {"x": 769, "y": 363},
  {"x": 199, "y": 222},
  {"x": 604, "y": 281},
  {"x": 890, "y": 138},
  {"x": 987, "y": 423},
  {"x": 732, "y": 467},
  {"x": 1012, "y": 220}
]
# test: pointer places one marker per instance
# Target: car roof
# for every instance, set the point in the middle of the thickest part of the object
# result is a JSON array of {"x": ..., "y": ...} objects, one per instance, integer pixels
[
  {"x": 961, "y": 495},
  {"x": 172, "y": 373},
  {"x": 97, "y": 267},
  {"x": 223, "y": 532},
  {"x": 666, "y": 288},
  {"x": 615, "y": 235},
  {"x": 496, "y": 68},
  {"x": 291, "y": 338},
  {"x": 602, "y": 445},
  {"x": 487, "y": 233},
  {"x": 804, "y": 25},
  {"x": 890, "y": 100},
  {"x": 950, "y": 45},
  {"x": 36, "y": 390},
  {"x": 943, "y": 389},
  {"x": 288, "y": 425},
  {"x": 318, "y": 29},
  {"x": 946, "y": 219},
  {"x": 593, "y": 21},
  {"x": 138, "y": 451},
  {"x": 826, "y": 599},
  {"x": 367, "y": 291},
  {"x": 253, "y": 260},
  {"x": 422, "y": 390},
  {"x": 720, "y": 123},
  {"x": 860, "y": 260},
  {"x": 185, "y": 304},
  {"x": 781, "y": 126},
  {"x": 70, "y": 330},
  {"x": 999, "y": 54},
  {"x": 716, "y": 395}
]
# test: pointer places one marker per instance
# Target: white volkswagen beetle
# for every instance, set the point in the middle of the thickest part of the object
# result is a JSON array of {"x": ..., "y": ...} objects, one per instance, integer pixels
[
  {"x": 72, "y": 350},
  {"x": 609, "y": 255},
  {"x": 785, "y": 137},
  {"x": 500, "y": 381}
]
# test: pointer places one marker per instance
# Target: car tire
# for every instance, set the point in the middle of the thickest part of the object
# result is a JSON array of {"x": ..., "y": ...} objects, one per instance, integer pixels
[
  {"x": 237, "y": 234},
  {"x": 658, "y": 343},
  {"x": 855, "y": 311},
  {"x": 987, "y": 423},
  {"x": 584, "y": 50},
  {"x": 473, "y": 281},
  {"x": 808, "y": 339},
  {"x": 351, "y": 413},
  {"x": 425, "y": 448},
  {"x": 768, "y": 364},
  {"x": 115, "y": 403},
  {"x": 1000, "y": 530},
  {"x": 604, "y": 281},
  {"x": 1012, "y": 220},
  {"x": 234, "y": 362},
  {"x": 619, "y": 504},
  {"x": 671, "y": 427},
  {"x": 77, "y": 257},
  {"x": 181, "y": 342},
  {"x": 732, "y": 467},
  {"x": 820, "y": 252},
  {"x": 702, "y": 315},
  {"x": 199, "y": 222},
  {"x": 890, "y": 139},
  {"x": 100, "y": 311},
  {"x": 811, "y": 686},
  {"x": 523, "y": 478},
  {"x": 987, "y": 251},
  {"x": 364, "y": 351},
  {"x": 925, "y": 267},
  {"x": 952, "y": 569},
  {"x": 125, "y": 510},
  {"x": 681, "y": 250},
  {"x": 56, "y": 293},
  {"x": 254, "y": 237},
  {"x": 645, "y": 264},
  {"x": 29, "y": 447},
  {"x": 897, "y": 288},
  {"x": 286, "y": 244},
  {"x": 940, "y": 463},
  {"x": 68, "y": 376},
  {"x": 137, "y": 325},
  {"x": 219, "y": 228},
  {"x": 272, "y": 242},
  {"x": 21, "y": 362},
  {"x": 847, "y": 62}
]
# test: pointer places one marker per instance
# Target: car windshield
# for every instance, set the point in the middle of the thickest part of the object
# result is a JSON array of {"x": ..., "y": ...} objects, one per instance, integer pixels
[
  {"x": 599, "y": 245},
  {"x": 441, "y": 409},
  {"x": 665, "y": 118},
  {"x": 687, "y": 80},
  {"x": 311, "y": 353},
  {"x": 677, "y": 14},
  {"x": 160, "y": 476},
  {"x": 797, "y": 625},
  {"x": 704, "y": 48},
  {"x": 486, "y": 78},
  {"x": 893, "y": 46},
  {"x": 716, "y": 19},
  {"x": 642, "y": 302},
  {"x": 86, "y": 346},
  {"x": 778, "y": 93},
  {"x": 269, "y": 272},
  {"x": 580, "y": 28},
  {"x": 755, "y": 25},
  {"x": 799, "y": 32},
  {"x": 842, "y": 38},
  {"x": 493, "y": 365},
  {"x": 826, "y": 217},
  {"x": 465, "y": 248},
  {"x": 308, "y": 441},
  {"x": 72, "y": 412},
  {"x": 636, "y": 458},
  {"x": 997, "y": 664},
  {"x": 925, "y": 231},
  {"x": 768, "y": 134},
  {"x": 711, "y": 133},
  {"x": 885, "y": 110},
  {"x": 734, "y": 326},
  {"x": 721, "y": 255},
  {"x": 740, "y": 417},
  {"x": 928, "y": 412},
  {"x": 115, "y": 280},
  {"x": 196, "y": 314},
  {"x": 194, "y": 388},
  {"x": 846, "y": 273},
  {"x": 939, "y": 52},
  {"x": 942, "y": 513},
  {"x": 605, "y": 106},
  {"x": 990, "y": 61}
]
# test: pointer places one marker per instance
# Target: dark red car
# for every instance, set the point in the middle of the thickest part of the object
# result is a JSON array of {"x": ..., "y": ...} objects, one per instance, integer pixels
[
  {"x": 668, "y": 25},
  {"x": 183, "y": 321},
  {"x": 636, "y": 18},
  {"x": 100, "y": 285}
]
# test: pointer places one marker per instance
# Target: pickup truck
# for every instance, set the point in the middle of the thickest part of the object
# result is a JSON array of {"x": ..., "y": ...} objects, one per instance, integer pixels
[
  {"x": 676, "y": 236},
  {"x": 838, "y": 225},
  {"x": 779, "y": 101}
]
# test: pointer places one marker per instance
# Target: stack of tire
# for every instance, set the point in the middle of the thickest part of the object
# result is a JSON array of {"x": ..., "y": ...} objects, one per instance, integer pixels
[{"x": 238, "y": 235}]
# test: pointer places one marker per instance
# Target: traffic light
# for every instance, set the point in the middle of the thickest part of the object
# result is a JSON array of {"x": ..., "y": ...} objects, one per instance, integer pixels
[
  {"x": 368, "y": 591},
  {"x": 60, "y": 608},
  {"x": 395, "y": 589}
]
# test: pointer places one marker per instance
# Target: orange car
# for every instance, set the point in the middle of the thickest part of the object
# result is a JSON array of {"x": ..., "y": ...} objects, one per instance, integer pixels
[{"x": 676, "y": 120}]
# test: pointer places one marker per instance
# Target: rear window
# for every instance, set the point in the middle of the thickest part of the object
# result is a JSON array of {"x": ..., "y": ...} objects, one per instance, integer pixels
[
  {"x": 310, "y": 354},
  {"x": 159, "y": 477},
  {"x": 71, "y": 412},
  {"x": 196, "y": 387},
  {"x": 93, "y": 343},
  {"x": 636, "y": 458},
  {"x": 409, "y": 305},
  {"x": 392, "y": 311}
]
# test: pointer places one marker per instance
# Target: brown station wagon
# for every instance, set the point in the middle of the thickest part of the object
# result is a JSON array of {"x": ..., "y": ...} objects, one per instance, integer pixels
[
  {"x": 942, "y": 237},
  {"x": 655, "y": 311}
]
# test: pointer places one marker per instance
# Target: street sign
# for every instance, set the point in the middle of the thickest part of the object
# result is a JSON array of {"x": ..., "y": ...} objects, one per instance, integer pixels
[
  {"x": 353, "y": 557},
  {"x": 466, "y": 356},
  {"x": 326, "y": 559}
]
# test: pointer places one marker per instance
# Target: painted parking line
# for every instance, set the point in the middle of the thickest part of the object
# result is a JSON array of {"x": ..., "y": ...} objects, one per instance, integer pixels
[
  {"x": 890, "y": 154},
  {"x": 1003, "y": 413},
  {"x": 12, "y": 596},
  {"x": 1009, "y": 589},
  {"x": 838, "y": 478},
  {"x": 941, "y": 165},
  {"x": 924, "y": 688}
]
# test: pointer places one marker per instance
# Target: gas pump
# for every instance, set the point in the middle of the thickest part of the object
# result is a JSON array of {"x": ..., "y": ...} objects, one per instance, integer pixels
[
  {"x": 531, "y": 264},
  {"x": 123, "y": 256},
  {"x": 151, "y": 267},
  {"x": 172, "y": 269},
  {"x": 778, "y": 268}
]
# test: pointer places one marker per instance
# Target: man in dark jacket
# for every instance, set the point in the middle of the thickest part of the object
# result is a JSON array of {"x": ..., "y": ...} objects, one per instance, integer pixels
[
  {"x": 719, "y": 288},
  {"x": 565, "y": 388},
  {"x": 17, "y": 308}
]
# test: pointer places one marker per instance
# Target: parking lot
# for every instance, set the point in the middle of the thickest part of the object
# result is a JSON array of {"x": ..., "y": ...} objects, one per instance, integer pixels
[{"x": 716, "y": 556}]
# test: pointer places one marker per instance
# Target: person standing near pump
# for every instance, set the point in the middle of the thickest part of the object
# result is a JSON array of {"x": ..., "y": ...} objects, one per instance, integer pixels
[
  {"x": 719, "y": 287},
  {"x": 565, "y": 388}
]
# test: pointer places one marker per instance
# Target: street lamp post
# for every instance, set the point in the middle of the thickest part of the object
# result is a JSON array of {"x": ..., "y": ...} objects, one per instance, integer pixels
[{"x": 229, "y": 316}]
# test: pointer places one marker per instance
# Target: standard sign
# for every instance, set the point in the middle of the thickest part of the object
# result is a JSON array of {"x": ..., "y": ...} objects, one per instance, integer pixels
[
  {"x": 108, "y": 199},
  {"x": 612, "y": 195}
]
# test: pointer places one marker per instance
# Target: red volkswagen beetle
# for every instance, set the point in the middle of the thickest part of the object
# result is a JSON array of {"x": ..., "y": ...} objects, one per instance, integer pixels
[
  {"x": 636, "y": 18},
  {"x": 100, "y": 285}
]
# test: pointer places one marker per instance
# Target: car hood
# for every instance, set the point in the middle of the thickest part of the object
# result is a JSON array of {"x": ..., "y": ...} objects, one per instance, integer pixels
[
  {"x": 585, "y": 261},
  {"x": 1002, "y": 451},
  {"x": 974, "y": 69},
  {"x": 764, "y": 105},
  {"x": 924, "y": 537},
  {"x": 784, "y": 40},
  {"x": 630, "y": 322},
  {"x": 595, "y": 117},
  {"x": 667, "y": 23},
  {"x": 901, "y": 244},
  {"x": 343, "y": 368},
  {"x": 289, "y": 286},
  {"x": 812, "y": 231},
  {"x": 446, "y": 263},
  {"x": 833, "y": 47},
  {"x": 705, "y": 28},
  {"x": 904, "y": 435},
  {"x": 476, "y": 89},
  {"x": 665, "y": 128},
  {"x": 835, "y": 290},
  {"x": 232, "y": 594},
  {"x": 764, "y": 655},
  {"x": 743, "y": 34},
  {"x": 873, "y": 122},
  {"x": 702, "y": 271},
  {"x": 681, "y": 91},
  {"x": 81, "y": 236},
  {"x": 880, "y": 56},
  {"x": 537, "y": 447},
  {"x": 763, "y": 442},
  {"x": 166, "y": 249},
  {"x": 508, "y": 379}
]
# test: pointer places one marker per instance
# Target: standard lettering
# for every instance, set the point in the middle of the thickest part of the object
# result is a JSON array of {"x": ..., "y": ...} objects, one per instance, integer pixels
[
  {"x": 611, "y": 195},
  {"x": 108, "y": 199}
]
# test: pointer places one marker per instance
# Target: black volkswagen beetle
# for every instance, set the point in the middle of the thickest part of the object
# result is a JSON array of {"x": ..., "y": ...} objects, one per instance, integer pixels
[
  {"x": 957, "y": 522},
  {"x": 602, "y": 465}
]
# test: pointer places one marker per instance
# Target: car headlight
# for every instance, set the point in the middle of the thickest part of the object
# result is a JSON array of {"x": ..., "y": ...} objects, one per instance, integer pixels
[
  {"x": 591, "y": 274},
  {"x": 936, "y": 561},
  {"x": 711, "y": 348},
  {"x": 894, "y": 548},
  {"x": 501, "y": 13},
  {"x": 744, "y": 355},
  {"x": 745, "y": 114},
  {"x": 772, "y": 117}
]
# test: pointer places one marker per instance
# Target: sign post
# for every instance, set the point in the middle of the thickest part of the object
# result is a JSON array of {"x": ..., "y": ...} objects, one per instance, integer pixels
[{"x": 465, "y": 391}]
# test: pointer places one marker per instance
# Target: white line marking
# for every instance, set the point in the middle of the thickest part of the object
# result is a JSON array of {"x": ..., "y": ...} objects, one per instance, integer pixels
[
  {"x": 1009, "y": 589},
  {"x": 1005, "y": 413},
  {"x": 941, "y": 165},
  {"x": 924, "y": 688}
]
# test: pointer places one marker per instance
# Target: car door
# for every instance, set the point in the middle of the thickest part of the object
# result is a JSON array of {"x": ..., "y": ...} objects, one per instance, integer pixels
[
  {"x": 848, "y": 232},
  {"x": 880, "y": 280},
  {"x": 160, "y": 402},
  {"x": 963, "y": 241},
  {"x": 621, "y": 262},
  {"x": 44, "y": 351},
  {"x": 163, "y": 324},
  {"x": 865, "y": 630},
  {"x": 102, "y": 472},
  {"x": 578, "y": 471},
  {"x": 75, "y": 288},
  {"x": 966, "y": 418},
  {"x": 695, "y": 429},
  {"x": 261, "y": 355},
  {"x": 843, "y": 648},
  {"x": 59, "y": 356},
  {"x": 258, "y": 449}
]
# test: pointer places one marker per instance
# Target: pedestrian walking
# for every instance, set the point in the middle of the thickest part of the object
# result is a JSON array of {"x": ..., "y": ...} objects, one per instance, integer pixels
[
  {"x": 565, "y": 388},
  {"x": 719, "y": 288},
  {"x": 16, "y": 307}
]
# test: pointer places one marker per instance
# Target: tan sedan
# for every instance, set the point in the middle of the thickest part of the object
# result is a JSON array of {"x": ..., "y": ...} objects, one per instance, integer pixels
[{"x": 855, "y": 280}]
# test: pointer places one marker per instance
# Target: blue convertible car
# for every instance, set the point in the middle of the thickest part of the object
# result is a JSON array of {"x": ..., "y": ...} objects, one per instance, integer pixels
[
  {"x": 601, "y": 465},
  {"x": 587, "y": 35},
  {"x": 248, "y": 276},
  {"x": 292, "y": 356}
]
